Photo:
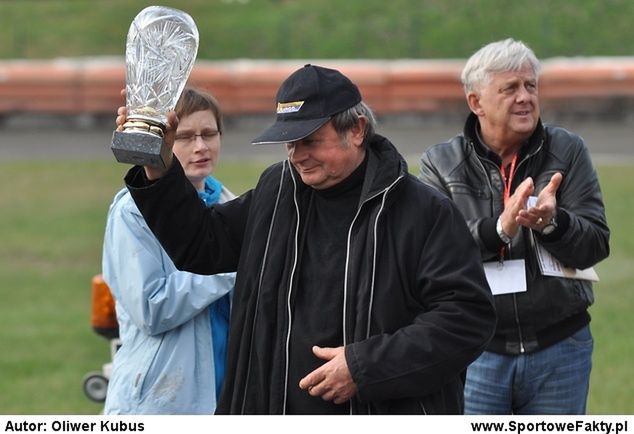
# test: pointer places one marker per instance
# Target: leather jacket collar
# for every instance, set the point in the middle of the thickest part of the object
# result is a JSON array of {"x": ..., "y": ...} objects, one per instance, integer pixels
[{"x": 472, "y": 137}]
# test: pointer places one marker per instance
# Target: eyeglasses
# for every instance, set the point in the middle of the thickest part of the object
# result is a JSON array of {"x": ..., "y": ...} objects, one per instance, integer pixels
[{"x": 189, "y": 138}]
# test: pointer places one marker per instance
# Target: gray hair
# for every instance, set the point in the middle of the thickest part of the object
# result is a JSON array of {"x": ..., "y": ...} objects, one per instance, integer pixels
[
  {"x": 343, "y": 121},
  {"x": 500, "y": 56}
]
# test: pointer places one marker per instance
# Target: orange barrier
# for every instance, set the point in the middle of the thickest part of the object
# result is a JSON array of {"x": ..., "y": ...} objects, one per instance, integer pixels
[
  {"x": 92, "y": 86},
  {"x": 103, "y": 316}
]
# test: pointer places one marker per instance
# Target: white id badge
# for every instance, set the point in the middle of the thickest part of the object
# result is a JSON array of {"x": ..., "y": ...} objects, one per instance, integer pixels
[{"x": 506, "y": 277}]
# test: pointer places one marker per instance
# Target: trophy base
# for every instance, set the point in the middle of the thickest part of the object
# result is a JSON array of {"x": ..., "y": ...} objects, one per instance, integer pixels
[{"x": 139, "y": 148}]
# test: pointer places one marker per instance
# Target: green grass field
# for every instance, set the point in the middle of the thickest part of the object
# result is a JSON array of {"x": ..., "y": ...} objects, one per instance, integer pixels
[
  {"x": 307, "y": 29},
  {"x": 51, "y": 229}
]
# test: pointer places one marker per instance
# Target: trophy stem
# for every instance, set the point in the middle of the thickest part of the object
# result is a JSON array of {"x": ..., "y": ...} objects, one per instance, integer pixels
[{"x": 141, "y": 123}]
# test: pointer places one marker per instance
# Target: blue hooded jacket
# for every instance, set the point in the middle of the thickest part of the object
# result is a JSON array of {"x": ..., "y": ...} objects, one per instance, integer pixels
[{"x": 172, "y": 324}]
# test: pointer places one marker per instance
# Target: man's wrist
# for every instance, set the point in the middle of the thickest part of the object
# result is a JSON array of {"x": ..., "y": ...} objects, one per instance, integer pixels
[
  {"x": 503, "y": 235},
  {"x": 155, "y": 173}
]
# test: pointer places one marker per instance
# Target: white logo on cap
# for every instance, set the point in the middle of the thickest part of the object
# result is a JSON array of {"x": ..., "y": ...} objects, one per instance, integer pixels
[{"x": 289, "y": 107}]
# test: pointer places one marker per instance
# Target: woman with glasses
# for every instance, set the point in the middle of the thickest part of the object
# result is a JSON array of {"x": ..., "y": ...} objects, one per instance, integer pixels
[{"x": 173, "y": 324}]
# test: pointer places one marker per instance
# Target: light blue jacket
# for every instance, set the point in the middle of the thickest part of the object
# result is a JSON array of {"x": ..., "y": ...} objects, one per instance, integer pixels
[{"x": 165, "y": 364}]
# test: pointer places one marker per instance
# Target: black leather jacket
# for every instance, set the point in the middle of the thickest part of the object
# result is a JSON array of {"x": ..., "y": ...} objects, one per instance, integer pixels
[{"x": 552, "y": 308}]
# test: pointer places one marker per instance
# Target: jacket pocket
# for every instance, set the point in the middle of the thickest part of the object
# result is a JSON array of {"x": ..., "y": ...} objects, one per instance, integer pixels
[
  {"x": 448, "y": 400},
  {"x": 148, "y": 368},
  {"x": 460, "y": 188}
]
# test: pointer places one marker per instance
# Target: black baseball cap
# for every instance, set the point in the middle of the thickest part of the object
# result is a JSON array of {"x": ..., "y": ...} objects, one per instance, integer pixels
[{"x": 306, "y": 100}]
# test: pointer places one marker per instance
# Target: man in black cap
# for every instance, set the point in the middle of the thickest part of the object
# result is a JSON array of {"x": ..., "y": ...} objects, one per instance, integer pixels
[{"x": 359, "y": 289}]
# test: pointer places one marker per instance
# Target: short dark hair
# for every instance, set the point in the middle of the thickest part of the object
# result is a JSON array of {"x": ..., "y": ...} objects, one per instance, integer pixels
[{"x": 194, "y": 100}]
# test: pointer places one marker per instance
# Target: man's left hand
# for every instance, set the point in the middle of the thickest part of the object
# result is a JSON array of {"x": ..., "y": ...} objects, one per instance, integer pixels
[
  {"x": 332, "y": 381},
  {"x": 546, "y": 207}
]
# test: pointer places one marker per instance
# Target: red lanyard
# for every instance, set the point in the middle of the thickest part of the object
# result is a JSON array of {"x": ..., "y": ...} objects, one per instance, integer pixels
[{"x": 507, "y": 179}]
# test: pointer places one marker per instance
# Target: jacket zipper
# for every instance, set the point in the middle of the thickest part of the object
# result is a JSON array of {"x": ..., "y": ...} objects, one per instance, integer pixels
[
  {"x": 345, "y": 285},
  {"x": 422, "y": 407},
  {"x": 383, "y": 192},
  {"x": 520, "y": 335},
  {"x": 257, "y": 299},
  {"x": 345, "y": 282},
  {"x": 289, "y": 311},
  {"x": 517, "y": 322},
  {"x": 515, "y": 308}
]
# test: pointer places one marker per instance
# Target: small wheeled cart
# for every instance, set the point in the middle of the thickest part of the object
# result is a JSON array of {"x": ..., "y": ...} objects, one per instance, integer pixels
[{"x": 104, "y": 322}]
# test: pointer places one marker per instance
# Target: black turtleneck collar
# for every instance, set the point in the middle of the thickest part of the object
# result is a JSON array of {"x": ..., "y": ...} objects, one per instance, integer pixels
[{"x": 352, "y": 182}]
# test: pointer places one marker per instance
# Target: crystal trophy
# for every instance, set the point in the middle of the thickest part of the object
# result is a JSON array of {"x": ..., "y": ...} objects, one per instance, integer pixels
[{"x": 161, "y": 49}]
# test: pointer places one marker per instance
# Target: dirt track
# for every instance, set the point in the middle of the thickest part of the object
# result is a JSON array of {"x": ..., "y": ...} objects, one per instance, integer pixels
[{"x": 54, "y": 138}]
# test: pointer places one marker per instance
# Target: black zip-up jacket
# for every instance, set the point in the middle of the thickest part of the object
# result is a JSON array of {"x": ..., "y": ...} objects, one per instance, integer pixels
[
  {"x": 552, "y": 308},
  {"x": 417, "y": 307}
]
